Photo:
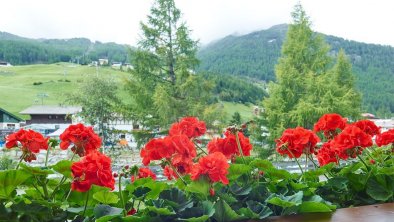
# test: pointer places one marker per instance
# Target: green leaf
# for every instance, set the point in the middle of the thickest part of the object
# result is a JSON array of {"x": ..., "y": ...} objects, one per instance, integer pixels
[
  {"x": 276, "y": 174},
  {"x": 176, "y": 199},
  {"x": 43, "y": 171},
  {"x": 155, "y": 189},
  {"x": 287, "y": 201},
  {"x": 107, "y": 218},
  {"x": 224, "y": 213},
  {"x": 160, "y": 211},
  {"x": 262, "y": 164},
  {"x": 357, "y": 181},
  {"x": 313, "y": 207},
  {"x": 63, "y": 167},
  {"x": 102, "y": 210},
  {"x": 203, "y": 218},
  {"x": 10, "y": 180},
  {"x": 134, "y": 218},
  {"x": 379, "y": 188},
  {"x": 200, "y": 186},
  {"x": 240, "y": 190},
  {"x": 351, "y": 168},
  {"x": 255, "y": 210},
  {"x": 106, "y": 197},
  {"x": 236, "y": 170}
]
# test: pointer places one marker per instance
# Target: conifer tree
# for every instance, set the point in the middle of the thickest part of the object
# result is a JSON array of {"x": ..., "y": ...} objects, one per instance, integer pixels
[
  {"x": 163, "y": 86},
  {"x": 305, "y": 87}
]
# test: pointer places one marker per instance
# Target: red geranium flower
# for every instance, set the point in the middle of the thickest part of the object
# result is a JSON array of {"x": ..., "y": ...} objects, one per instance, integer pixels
[
  {"x": 228, "y": 146},
  {"x": 327, "y": 154},
  {"x": 31, "y": 143},
  {"x": 214, "y": 165},
  {"x": 385, "y": 138},
  {"x": 156, "y": 149},
  {"x": 368, "y": 127},
  {"x": 83, "y": 139},
  {"x": 329, "y": 123},
  {"x": 295, "y": 142},
  {"x": 189, "y": 126},
  {"x": 184, "y": 149},
  {"x": 350, "y": 142},
  {"x": 94, "y": 168},
  {"x": 144, "y": 173},
  {"x": 131, "y": 212},
  {"x": 169, "y": 173}
]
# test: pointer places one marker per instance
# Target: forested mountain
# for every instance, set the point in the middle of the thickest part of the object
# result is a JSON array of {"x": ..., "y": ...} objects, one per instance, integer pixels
[
  {"x": 255, "y": 55},
  {"x": 20, "y": 51}
]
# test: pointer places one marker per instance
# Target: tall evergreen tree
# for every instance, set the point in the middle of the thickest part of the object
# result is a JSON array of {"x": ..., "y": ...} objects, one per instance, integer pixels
[
  {"x": 305, "y": 88},
  {"x": 163, "y": 86}
]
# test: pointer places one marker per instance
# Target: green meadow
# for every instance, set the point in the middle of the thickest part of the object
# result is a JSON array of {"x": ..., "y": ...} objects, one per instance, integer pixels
[{"x": 23, "y": 86}]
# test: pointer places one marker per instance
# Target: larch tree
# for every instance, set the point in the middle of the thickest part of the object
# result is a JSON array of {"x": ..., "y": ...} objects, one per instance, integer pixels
[
  {"x": 163, "y": 86},
  {"x": 306, "y": 87}
]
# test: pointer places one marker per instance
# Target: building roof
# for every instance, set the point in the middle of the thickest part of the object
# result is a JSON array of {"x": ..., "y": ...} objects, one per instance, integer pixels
[
  {"x": 10, "y": 114},
  {"x": 52, "y": 110}
]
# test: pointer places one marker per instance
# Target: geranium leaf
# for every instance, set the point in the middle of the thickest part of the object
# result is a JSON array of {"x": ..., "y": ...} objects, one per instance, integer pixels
[
  {"x": 236, "y": 170},
  {"x": 102, "y": 210},
  {"x": 36, "y": 170},
  {"x": 313, "y": 207},
  {"x": 63, "y": 167},
  {"x": 379, "y": 188},
  {"x": 287, "y": 201},
  {"x": 160, "y": 211},
  {"x": 200, "y": 186},
  {"x": 10, "y": 180},
  {"x": 106, "y": 197},
  {"x": 224, "y": 213}
]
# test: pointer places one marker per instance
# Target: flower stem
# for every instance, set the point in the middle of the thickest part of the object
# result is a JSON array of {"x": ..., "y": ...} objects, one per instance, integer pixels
[
  {"x": 46, "y": 157},
  {"x": 239, "y": 147},
  {"x": 121, "y": 195},
  {"x": 298, "y": 163},
  {"x": 362, "y": 160},
  {"x": 69, "y": 192},
  {"x": 177, "y": 173},
  {"x": 19, "y": 163},
  {"x": 86, "y": 203},
  {"x": 316, "y": 166},
  {"x": 201, "y": 149}
]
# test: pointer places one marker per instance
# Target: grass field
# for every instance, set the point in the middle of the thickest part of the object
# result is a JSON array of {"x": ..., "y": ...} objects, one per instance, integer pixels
[
  {"x": 245, "y": 111},
  {"x": 17, "y": 89}
]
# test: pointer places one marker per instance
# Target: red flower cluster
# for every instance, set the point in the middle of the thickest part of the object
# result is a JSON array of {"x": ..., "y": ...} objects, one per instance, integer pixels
[
  {"x": 228, "y": 146},
  {"x": 144, "y": 173},
  {"x": 368, "y": 127},
  {"x": 94, "y": 168},
  {"x": 385, "y": 138},
  {"x": 214, "y": 165},
  {"x": 295, "y": 142},
  {"x": 189, "y": 126},
  {"x": 329, "y": 123},
  {"x": 177, "y": 149},
  {"x": 327, "y": 154},
  {"x": 83, "y": 139},
  {"x": 350, "y": 142},
  {"x": 31, "y": 142},
  {"x": 169, "y": 173}
]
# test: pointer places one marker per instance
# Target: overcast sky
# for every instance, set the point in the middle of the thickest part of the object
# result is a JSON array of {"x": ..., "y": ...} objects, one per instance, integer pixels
[{"x": 118, "y": 20}]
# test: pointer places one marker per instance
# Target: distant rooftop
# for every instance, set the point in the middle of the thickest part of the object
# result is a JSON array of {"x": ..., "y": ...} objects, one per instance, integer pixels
[{"x": 54, "y": 110}]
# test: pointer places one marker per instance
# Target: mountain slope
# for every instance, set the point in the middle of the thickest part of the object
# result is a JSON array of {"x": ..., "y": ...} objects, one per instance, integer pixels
[
  {"x": 21, "y": 51},
  {"x": 255, "y": 55}
]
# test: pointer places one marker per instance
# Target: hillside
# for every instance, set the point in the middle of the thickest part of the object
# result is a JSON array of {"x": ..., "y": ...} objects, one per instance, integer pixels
[
  {"x": 21, "y": 51},
  {"x": 255, "y": 55},
  {"x": 20, "y": 86}
]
